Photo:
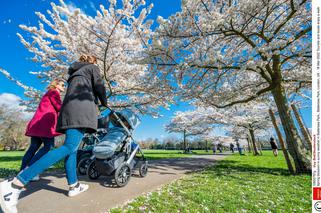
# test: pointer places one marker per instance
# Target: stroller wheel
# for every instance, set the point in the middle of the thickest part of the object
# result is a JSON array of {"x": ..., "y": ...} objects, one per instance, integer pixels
[
  {"x": 82, "y": 156},
  {"x": 92, "y": 171},
  {"x": 122, "y": 174},
  {"x": 83, "y": 165},
  {"x": 143, "y": 169}
]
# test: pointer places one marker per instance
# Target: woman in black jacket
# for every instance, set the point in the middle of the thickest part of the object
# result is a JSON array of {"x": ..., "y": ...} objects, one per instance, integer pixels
[
  {"x": 78, "y": 115},
  {"x": 79, "y": 109}
]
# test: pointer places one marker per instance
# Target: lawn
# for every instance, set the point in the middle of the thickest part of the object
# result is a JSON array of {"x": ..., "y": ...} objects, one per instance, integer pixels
[
  {"x": 160, "y": 154},
  {"x": 236, "y": 184},
  {"x": 10, "y": 161}
]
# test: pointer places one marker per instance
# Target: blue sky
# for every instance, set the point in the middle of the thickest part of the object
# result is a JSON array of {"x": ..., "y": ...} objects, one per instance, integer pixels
[{"x": 16, "y": 59}]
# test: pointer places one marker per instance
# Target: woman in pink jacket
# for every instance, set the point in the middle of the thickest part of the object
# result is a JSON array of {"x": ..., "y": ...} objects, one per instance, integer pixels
[{"x": 42, "y": 127}]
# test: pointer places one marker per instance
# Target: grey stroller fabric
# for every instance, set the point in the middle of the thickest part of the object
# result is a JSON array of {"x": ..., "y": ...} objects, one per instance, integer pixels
[
  {"x": 109, "y": 143},
  {"x": 130, "y": 117},
  {"x": 115, "y": 135}
]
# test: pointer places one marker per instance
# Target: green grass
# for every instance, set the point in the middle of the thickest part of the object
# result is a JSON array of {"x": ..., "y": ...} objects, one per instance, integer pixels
[
  {"x": 203, "y": 152},
  {"x": 161, "y": 154},
  {"x": 10, "y": 162},
  {"x": 236, "y": 184}
]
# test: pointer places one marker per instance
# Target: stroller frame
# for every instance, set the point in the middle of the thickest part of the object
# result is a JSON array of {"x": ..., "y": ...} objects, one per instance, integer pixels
[
  {"x": 84, "y": 154},
  {"x": 123, "y": 161}
]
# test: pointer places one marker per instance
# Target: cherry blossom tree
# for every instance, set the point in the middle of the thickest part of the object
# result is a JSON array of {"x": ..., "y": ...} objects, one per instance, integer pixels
[
  {"x": 117, "y": 36},
  {"x": 215, "y": 139},
  {"x": 224, "y": 53},
  {"x": 189, "y": 125},
  {"x": 252, "y": 117},
  {"x": 238, "y": 122}
]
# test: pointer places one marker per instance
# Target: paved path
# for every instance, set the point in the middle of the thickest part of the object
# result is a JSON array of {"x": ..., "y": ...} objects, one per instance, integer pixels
[{"x": 50, "y": 193}]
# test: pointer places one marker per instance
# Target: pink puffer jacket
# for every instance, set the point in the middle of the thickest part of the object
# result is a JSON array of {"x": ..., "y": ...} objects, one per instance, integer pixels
[{"x": 44, "y": 121}]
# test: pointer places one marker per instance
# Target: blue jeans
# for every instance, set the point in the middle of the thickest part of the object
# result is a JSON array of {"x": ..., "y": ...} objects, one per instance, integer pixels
[
  {"x": 31, "y": 156},
  {"x": 67, "y": 151}
]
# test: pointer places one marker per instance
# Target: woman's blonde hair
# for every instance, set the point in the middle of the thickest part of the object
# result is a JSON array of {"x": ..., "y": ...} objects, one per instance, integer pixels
[
  {"x": 88, "y": 58},
  {"x": 53, "y": 84}
]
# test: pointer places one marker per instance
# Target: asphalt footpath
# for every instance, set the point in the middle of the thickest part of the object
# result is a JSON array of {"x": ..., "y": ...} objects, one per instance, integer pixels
[{"x": 50, "y": 193}]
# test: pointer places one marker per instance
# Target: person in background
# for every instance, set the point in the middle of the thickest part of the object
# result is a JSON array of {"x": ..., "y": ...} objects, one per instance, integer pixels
[
  {"x": 42, "y": 127},
  {"x": 239, "y": 148},
  {"x": 232, "y": 147},
  {"x": 78, "y": 115},
  {"x": 244, "y": 149},
  {"x": 220, "y": 147},
  {"x": 214, "y": 148},
  {"x": 274, "y": 147}
]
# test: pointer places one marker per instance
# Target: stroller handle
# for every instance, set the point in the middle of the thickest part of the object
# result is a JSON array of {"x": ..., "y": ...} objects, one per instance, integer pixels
[{"x": 103, "y": 108}]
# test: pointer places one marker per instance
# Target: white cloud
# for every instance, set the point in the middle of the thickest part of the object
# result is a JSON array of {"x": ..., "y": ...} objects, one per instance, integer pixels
[
  {"x": 12, "y": 101},
  {"x": 8, "y": 21},
  {"x": 9, "y": 99}
]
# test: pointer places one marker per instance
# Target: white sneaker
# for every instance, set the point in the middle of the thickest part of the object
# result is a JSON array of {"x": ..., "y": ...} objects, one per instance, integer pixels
[
  {"x": 36, "y": 178},
  {"x": 8, "y": 197},
  {"x": 79, "y": 188}
]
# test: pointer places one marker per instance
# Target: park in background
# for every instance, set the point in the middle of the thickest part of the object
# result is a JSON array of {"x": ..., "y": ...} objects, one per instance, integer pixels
[{"x": 238, "y": 62}]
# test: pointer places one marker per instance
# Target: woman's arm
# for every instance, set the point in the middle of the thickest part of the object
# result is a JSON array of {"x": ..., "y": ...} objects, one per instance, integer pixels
[
  {"x": 55, "y": 100},
  {"x": 99, "y": 87}
]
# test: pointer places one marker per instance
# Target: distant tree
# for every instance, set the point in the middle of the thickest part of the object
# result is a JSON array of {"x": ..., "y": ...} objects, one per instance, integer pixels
[
  {"x": 148, "y": 143},
  {"x": 170, "y": 142},
  {"x": 143, "y": 145},
  {"x": 12, "y": 129},
  {"x": 187, "y": 124}
]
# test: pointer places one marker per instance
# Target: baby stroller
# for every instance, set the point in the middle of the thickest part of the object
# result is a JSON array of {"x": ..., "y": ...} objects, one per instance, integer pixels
[
  {"x": 84, "y": 153},
  {"x": 115, "y": 153}
]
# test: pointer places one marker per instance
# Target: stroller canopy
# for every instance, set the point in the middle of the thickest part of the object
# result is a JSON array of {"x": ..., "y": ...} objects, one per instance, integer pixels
[{"x": 130, "y": 117}]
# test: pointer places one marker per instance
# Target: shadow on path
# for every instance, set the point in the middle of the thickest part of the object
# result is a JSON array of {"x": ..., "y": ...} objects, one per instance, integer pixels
[{"x": 158, "y": 168}]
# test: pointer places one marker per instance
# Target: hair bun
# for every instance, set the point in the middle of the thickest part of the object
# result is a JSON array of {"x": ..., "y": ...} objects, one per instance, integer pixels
[{"x": 88, "y": 58}]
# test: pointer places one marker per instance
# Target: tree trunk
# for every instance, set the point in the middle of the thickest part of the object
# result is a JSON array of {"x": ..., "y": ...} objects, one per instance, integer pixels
[
  {"x": 285, "y": 152},
  {"x": 248, "y": 144},
  {"x": 302, "y": 127},
  {"x": 255, "y": 151},
  {"x": 295, "y": 146},
  {"x": 15, "y": 144},
  {"x": 184, "y": 142},
  {"x": 260, "y": 146},
  {"x": 309, "y": 134},
  {"x": 206, "y": 146}
]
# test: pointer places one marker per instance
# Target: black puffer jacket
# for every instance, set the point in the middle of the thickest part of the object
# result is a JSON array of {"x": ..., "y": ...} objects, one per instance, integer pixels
[{"x": 79, "y": 110}]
